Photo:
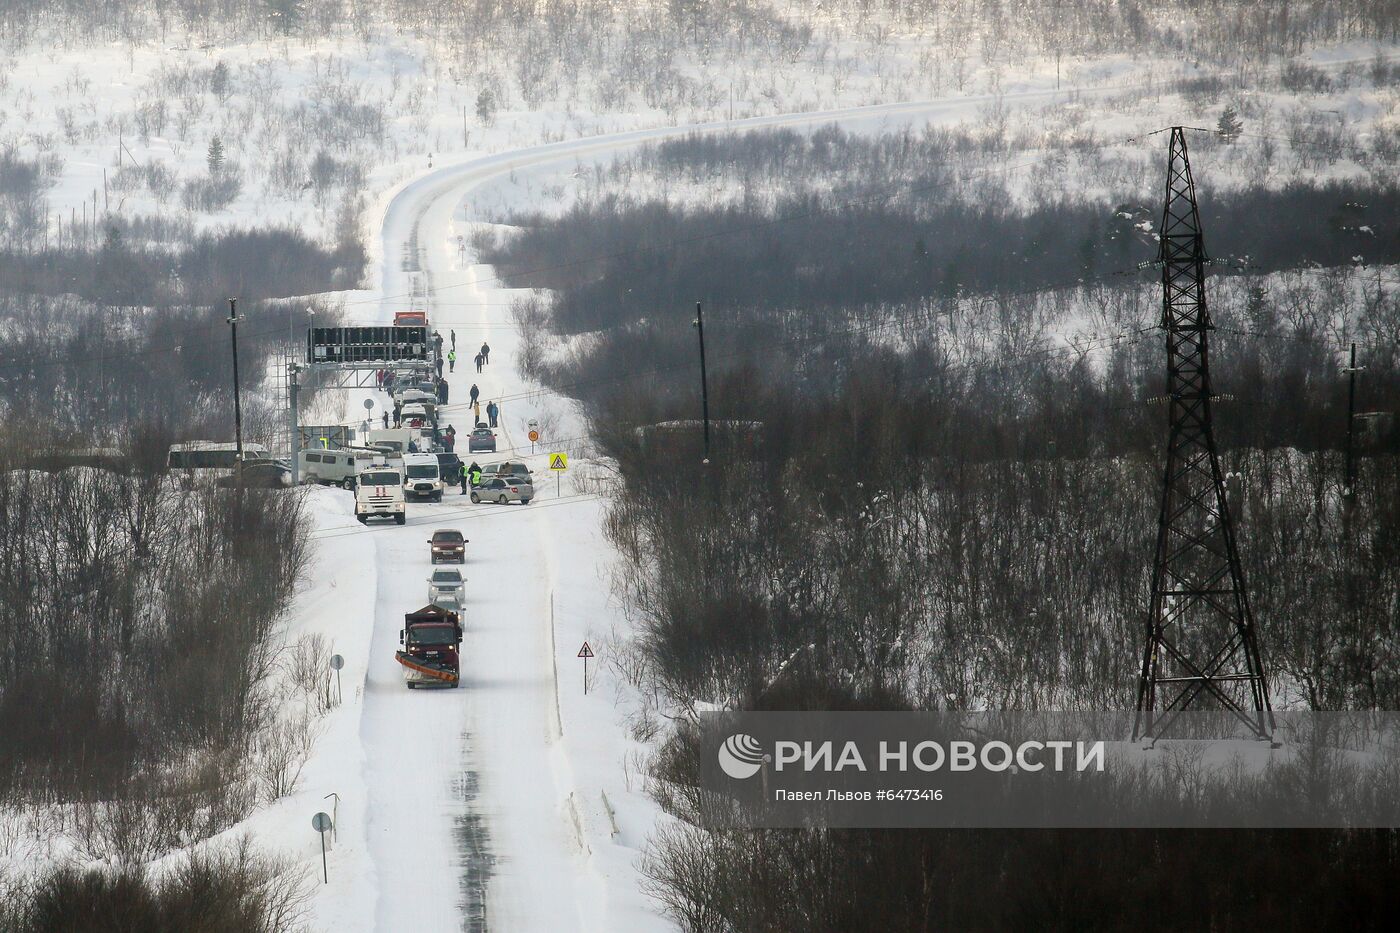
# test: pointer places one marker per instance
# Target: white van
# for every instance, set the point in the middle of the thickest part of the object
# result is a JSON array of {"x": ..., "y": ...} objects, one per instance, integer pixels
[
  {"x": 391, "y": 439},
  {"x": 207, "y": 455},
  {"x": 336, "y": 466},
  {"x": 423, "y": 478},
  {"x": 379, "y": 494}
]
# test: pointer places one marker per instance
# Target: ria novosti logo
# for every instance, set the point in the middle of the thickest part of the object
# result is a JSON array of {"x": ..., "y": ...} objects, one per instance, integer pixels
[{"x": 741, "y": 756}]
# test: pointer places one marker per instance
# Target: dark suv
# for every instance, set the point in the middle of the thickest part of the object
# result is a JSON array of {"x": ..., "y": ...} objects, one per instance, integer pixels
[
  {"x": 450, "y": 468},
  {"x": 448, "y": 545}
]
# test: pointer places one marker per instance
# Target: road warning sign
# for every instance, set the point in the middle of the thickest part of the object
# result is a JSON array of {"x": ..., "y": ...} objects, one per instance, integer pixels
[
  {"x": 585, "y": 652},
  {"x": 558, "y": 461}
]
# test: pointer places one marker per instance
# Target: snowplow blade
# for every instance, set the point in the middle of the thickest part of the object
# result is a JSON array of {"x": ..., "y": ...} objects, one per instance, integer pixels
[{"x": 426, "y": 668}]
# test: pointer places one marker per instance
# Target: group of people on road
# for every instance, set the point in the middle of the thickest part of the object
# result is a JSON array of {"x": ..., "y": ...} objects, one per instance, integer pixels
[
  {"x": 469, "y": 475},
  {"x": 483, "y": 356}
]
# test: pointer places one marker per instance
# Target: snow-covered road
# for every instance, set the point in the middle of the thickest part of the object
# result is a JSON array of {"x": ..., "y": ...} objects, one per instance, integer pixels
[{"x": 481, "y": 813}]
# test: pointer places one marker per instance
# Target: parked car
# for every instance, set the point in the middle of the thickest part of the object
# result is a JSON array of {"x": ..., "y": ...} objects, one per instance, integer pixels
[
  {"x": 502, "y": 491},
  {"x": 260, "y": 474},
  {"x": 449, "y": 545},
  {"x": 445, "y": 588},
  {"x": 481, "y": 439},
  {"x": 450, "y": 467},
  {"x": 506, "y": 470}
]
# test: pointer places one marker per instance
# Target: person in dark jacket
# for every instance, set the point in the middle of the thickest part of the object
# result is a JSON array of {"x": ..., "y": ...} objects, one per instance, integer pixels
[
  {"x": 454, "y": 339},
  {"x": 442, "y": 391},
  {"x": 475, "y": 392},
  {"x": 478, "y": 362},
  {"x": 386, "y": 419},
  {"x": 492, "y": 410},
  {"x": 462, "y": 477},
  {"x": 398, "y": 414},
  {"x": 486, "y": 353},
  {"x": 448, "y": 442},
  {"x": 439, "y": 367}
]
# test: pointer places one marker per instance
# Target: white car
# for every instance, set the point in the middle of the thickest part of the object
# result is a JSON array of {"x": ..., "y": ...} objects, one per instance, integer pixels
[{"x": 446, "y": 588}]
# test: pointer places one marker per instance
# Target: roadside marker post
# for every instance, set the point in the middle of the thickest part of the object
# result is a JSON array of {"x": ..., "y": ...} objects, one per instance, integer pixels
[
  {"x": 559, "y": 463},
  {"x": 335, "y": 815},
  {"x": 321, "y": 822},
  {"x": 585, "y": 652},
  {"x": 337, "y": 662}
]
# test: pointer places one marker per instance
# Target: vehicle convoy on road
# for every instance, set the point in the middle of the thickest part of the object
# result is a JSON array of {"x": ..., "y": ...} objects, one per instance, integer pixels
[
  {"x": 379, "y": 494},
  {"x": 446, "y": 587},
  {"x": 503, "y": 490},
  {"x": 431, "y": 638},
  {"x": 448, "y": 544},
  {"x": 422, "y": 479}
]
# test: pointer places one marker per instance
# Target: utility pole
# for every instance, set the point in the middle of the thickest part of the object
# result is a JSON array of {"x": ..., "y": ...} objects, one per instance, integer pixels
[
  {"x": 237, "y": 400},
  {"x": 699, "y": 323},
  {"x": 1349, "y": 483},
  {"x": 294, "y": 444},
  {"x": 1200, "y": 630}
]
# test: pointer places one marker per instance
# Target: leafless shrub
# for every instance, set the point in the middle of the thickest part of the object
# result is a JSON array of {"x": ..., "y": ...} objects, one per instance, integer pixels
[
  {"x": 282, "y": 752},
  {"x": 233, "y": 889},
  {"x": 308, "y": 667}
]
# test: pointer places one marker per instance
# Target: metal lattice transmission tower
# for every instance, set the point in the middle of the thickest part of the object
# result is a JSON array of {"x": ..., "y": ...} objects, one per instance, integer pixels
[{"x": 1201, "y": 649}]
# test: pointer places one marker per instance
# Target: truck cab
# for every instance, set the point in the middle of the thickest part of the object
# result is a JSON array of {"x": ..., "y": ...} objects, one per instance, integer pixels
[
  {"x": 431, "y": 639},
  {"x": 410, "y": 318},
  {"x": 379, "y": 493}
]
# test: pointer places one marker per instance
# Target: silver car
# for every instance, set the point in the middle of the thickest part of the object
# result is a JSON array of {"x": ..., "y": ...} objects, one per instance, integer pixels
[
  {"x": 502, "y": 491},
  {"x": 445, "y": 588}
]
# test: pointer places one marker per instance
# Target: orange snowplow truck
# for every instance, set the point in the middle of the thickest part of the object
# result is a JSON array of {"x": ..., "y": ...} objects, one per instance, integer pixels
[
  {"x": 410, "y": 319},
  {"x": 432, "y": 641}
]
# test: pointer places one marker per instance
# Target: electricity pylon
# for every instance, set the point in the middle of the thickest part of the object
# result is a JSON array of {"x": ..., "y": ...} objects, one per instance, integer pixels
[{"x": 1200, "y": 632}]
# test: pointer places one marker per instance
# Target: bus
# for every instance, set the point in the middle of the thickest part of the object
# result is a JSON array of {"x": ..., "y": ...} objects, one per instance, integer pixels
[{"x": 208, "y": 455}]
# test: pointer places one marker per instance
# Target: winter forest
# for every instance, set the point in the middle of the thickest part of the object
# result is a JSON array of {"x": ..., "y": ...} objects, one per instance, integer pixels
[{"x": 925, "y": 236}]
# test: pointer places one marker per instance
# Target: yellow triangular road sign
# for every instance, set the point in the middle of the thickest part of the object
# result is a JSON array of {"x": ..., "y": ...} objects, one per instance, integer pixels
[{"x": 558, "y": 461}]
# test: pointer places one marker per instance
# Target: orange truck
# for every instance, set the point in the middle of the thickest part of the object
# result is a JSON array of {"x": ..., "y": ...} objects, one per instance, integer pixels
[{"x": 410, "y": 318}]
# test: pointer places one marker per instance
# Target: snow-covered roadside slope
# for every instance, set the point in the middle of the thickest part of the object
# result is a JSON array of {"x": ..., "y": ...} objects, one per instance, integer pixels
[{"x": 340, "y": 585}]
